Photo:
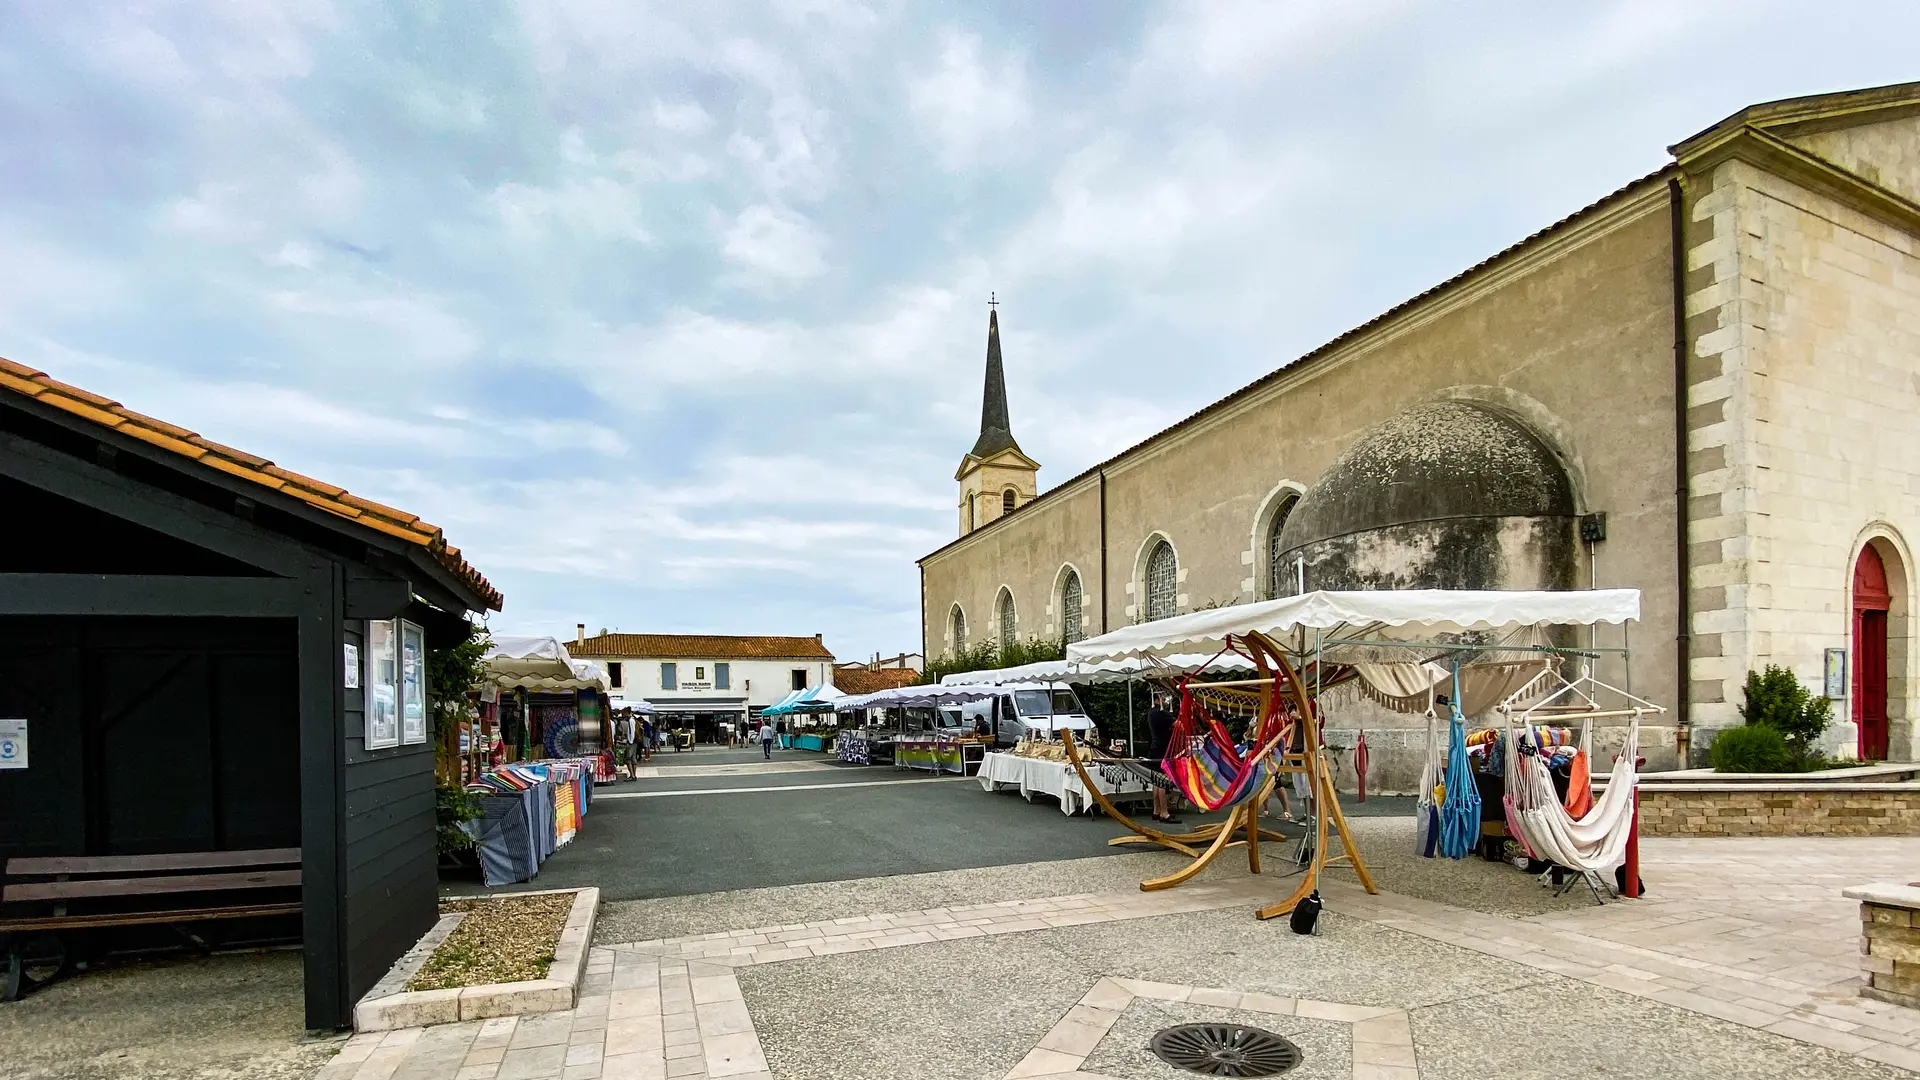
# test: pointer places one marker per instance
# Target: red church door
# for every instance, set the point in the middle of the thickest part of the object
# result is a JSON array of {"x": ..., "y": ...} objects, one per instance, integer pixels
[{"x": 1871, "y": 600}]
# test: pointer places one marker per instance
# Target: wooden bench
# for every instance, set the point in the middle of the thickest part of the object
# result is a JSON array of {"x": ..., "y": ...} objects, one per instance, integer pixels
[{"x": 41, "y": 895}]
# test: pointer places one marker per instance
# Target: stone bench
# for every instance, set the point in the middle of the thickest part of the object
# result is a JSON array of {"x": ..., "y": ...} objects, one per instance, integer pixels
[{"x": 1890, "y": 941}]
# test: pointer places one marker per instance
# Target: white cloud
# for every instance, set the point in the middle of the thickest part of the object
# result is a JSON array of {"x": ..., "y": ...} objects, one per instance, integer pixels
[
  {"x": 772, "y": 244},
  {"x": 593, "y": 207},
  {"x": 971, "y": 110},
  {"x": 681, "y": 117},
  {"x": 1252, "y": 39}
]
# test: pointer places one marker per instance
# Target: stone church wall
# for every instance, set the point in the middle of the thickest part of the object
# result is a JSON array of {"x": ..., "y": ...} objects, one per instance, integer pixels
[
  {"x": 1572, "y": 334},
  {"x": 1805, "y": 402}
]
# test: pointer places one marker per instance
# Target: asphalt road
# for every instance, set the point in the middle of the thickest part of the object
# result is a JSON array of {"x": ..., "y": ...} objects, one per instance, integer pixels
[{"x": 676, "y": 835}]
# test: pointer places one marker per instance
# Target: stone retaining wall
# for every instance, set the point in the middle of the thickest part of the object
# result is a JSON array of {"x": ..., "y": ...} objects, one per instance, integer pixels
[{"x": 1788, "y": 810}]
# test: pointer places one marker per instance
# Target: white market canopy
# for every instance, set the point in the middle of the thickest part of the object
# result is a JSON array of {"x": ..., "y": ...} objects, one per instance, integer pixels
[
  {"x": 539, "y": 663},
  {"x": 1406, "y": 615},
  {"x": 638, "y": 706},
  {"x": 914, "y": 697},
  {"x": 1104, "y": 671}
]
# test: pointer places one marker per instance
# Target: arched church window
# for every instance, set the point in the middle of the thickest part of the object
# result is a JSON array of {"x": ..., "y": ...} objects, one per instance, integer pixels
[
  {"x": 1280, "y": 577},
  {"x": 969, "y": 512},
  {"x": 1163, "y": 581},
  {"x": 1007, "y": 636},
  {"x": 1070, "y": 602},
  {"x": 1006, "y": 501},
  {"x": 959, "y": 629}
]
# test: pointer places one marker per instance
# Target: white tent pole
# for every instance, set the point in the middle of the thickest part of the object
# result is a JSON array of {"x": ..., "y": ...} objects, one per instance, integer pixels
[{"x": 1130, "y": 747}]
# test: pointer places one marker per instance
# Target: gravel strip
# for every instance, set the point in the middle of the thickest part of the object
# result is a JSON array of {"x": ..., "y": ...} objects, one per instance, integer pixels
[
  {"x": 503, "y": 939},
  {"x": 1386, "y": 843}
]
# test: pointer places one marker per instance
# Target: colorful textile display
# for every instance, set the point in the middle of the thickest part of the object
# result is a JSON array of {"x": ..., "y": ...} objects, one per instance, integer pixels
[
  {"x": 852, "y": 749},
  {"x": 1205, "y": 764}
]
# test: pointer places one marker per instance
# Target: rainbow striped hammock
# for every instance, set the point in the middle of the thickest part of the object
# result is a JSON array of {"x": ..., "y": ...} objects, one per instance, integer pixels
[{"x": 1204, "y": 764}]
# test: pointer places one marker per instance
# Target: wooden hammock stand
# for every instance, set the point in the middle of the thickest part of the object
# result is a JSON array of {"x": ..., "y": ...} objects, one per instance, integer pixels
[{"x": 1204, "y": 843}]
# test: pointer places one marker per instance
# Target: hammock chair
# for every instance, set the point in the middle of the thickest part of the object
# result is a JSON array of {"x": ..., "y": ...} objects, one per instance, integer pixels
[
  {"x": 1460, "y": 812},
  {"x": 1593, "y": 841},
  {"x": 1207, "y": 768},
  {"x": 1447, "y": 815}
]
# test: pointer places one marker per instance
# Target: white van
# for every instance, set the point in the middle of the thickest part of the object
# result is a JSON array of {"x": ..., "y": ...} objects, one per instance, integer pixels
[{"x": 1030, "y": 710}]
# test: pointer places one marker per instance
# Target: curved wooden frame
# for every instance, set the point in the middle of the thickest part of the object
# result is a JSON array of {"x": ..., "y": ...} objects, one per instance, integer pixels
[{"x": 1267, "y": 655}]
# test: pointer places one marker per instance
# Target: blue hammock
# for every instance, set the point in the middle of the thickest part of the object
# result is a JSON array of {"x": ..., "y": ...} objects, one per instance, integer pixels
[{"x": 1460, "y": 814}]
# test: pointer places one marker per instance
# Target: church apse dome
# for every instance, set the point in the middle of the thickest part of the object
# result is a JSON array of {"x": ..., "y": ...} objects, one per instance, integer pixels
[{"x": 1446, "y": 495}]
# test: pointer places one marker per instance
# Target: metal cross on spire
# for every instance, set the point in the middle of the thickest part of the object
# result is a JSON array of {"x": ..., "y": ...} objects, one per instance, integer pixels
[{"x": 991, "y": 302}]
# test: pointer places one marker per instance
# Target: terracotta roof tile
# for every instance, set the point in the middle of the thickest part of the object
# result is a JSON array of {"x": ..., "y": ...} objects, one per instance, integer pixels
[
  {"x": 28, "y": 382},
  {"x": 400, "y": 517},
  {"x": 701, "y": 647},
  {"x": 863, "y": 681},
  {"x": 20, "y": 384},
  {"x": 228, "y": 452},
  {"x": 161, "y": 439},
  {"x": 143, "y": 420},
  {"x": 307, "y": 482},
  {"x": 75, "y": 392}
]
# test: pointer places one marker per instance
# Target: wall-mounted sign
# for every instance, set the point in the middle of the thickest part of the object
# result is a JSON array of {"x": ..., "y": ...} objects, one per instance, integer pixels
[
  {"x": 383, "y": 684},
  {"x": 13, "y": 744},
  {"x": 352, "y": 667},
  {"x": 1836, "y": 674},
  {"x": 695, "y": 684},
  {"x": 413, "y": 684}
]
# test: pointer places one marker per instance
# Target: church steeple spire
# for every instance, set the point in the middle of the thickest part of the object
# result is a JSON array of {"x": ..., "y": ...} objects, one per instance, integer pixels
[
  {"x": 996, "y": 477},
  {"x": 996, "y": 431}
]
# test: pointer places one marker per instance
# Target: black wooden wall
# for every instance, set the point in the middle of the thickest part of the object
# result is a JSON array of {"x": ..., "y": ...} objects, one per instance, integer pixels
[
  {"x": 150, "y": 735},
  {"x": 391, "y": 884}
]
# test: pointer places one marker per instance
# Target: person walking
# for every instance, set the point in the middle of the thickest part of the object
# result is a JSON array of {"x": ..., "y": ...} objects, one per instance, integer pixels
[
  {"x": 766, "y": 738},
  {"x": 623, "y": 746},
  {"x": 1160, "y": 729}
]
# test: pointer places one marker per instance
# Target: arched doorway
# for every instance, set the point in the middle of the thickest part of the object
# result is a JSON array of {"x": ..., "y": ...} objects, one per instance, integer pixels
[{"x": 1872, "y": 600}]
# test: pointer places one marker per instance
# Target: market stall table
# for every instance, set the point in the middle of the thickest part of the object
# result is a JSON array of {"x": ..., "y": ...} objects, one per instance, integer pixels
[
  {"x": 1057, "y": 778},
  {"x": 959, "y": 757}
]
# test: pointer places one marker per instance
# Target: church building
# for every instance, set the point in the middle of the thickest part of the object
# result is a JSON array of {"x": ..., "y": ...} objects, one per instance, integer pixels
[{"x": 1705, "y": 386}]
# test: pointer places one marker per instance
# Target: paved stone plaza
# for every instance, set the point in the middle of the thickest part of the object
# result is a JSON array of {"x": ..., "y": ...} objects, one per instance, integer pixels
[{"x": 1739, "y": 963}]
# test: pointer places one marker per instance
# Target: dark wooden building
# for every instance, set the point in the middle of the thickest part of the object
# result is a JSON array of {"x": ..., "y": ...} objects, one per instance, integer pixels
[{"x": 195, "y": 638}]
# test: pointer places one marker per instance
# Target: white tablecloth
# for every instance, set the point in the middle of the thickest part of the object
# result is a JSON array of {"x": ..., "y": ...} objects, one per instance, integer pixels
[{"x": 1055, "y": 778}]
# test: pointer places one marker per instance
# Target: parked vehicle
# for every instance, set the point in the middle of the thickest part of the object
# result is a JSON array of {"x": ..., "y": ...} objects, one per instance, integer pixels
[{"x": 1030, "y": 710}]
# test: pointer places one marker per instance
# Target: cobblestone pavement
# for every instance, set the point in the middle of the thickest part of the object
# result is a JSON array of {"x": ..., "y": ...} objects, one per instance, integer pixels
[{"x": 1737, "y": 966}]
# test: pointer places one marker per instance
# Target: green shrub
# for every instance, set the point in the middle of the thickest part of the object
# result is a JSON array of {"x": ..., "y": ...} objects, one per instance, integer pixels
[
  {"x": 1777, "y": 699},
  {"x": 990, "y": 655},
  {"x": 1753, "y": 748},
  {"x": 453, "y": 806}
]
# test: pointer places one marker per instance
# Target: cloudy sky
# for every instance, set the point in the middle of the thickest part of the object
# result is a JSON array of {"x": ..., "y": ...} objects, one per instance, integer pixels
[{"x": 674, "y": 318}]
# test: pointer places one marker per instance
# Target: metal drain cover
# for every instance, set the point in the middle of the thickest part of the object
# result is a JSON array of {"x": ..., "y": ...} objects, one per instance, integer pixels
[{"x": 1225, "y": 1050}]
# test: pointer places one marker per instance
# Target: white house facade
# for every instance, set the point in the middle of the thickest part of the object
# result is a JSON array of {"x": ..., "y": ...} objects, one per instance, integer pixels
[{"x": 701, "y": 681}]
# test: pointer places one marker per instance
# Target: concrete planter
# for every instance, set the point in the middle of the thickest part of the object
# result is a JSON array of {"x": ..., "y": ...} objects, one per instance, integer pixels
[{"x": 390, "y": 1005}]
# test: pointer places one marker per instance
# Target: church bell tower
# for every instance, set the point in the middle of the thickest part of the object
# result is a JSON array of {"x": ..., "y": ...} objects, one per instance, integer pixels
[{"x": 995, "y": 477}]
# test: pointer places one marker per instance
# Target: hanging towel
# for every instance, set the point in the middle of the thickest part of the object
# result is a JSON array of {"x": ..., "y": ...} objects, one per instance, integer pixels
[{"x": 1579, "y": 786}]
